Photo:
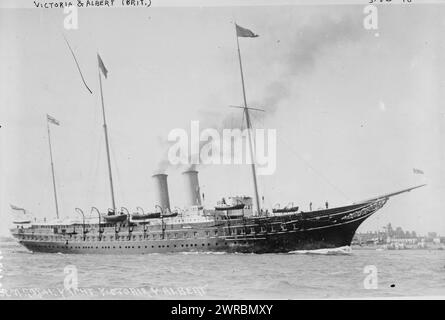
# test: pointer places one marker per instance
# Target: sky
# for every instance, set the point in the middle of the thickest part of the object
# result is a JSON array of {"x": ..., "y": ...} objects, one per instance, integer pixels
[{"x": 355, "y": 110}]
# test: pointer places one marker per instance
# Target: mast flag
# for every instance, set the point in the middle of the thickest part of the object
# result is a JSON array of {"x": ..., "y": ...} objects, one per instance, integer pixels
[
  {"x": 243, "y": 32},
  {"x": 102, "y": 66},
  {"x": 417, "y": 171},
  {"x": 52, "y": 120}
]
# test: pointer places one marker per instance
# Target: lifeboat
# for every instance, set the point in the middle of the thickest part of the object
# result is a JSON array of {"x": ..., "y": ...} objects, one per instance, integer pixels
[
  {"x": 155, "y": 215},
  {"x": 21, "y": 221},
  {"x": 170, "y": 215},
  {"x": 230, "y": 206},
  {"x": 144, "y": 216},
  {"x": 113, "y": 218}
]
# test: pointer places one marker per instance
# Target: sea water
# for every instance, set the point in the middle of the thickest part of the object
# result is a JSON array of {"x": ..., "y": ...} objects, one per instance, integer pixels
[{"x": 325, "y": 274}]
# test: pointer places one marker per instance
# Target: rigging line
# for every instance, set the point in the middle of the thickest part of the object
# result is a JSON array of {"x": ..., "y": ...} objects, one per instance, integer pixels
[
  {"x": 242, "y": 123},
  {"x": 94, "y": 170},
  {"x": 94, "y": 167},
  {"x": 316, "y": 171},
  {"x": 77, "y": 64},
  {"x": 119, "y": 180},
  {"x": 313, "y": 169}
]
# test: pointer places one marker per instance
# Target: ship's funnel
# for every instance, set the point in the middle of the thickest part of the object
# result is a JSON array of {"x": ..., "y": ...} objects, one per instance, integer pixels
[
  {"x": 193, "y": 195},
  {"x": 161, "y": 191}
]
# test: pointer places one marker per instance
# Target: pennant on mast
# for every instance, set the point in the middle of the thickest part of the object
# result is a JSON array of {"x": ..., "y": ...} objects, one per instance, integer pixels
[
  {"x": 13, "y": 207},
  {"x": 77, "y": 64},
  {"x": 102, "y": 66},
  {"x": 52, "y": 120}
]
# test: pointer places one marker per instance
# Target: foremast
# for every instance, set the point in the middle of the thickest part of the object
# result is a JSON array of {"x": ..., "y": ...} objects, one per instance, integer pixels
[
  {"x": 242, "y": 32},
  {"x": 104, "y": 71}
]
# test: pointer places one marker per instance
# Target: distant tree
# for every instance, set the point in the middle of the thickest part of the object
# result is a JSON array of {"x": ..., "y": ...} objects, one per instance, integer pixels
[{"x": 399, "y": 233}]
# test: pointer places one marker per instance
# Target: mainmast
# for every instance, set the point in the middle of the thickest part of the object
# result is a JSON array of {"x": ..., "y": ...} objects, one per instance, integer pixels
[
  {"x": 52, "y": 120},
  {"x": 242, "y": 32},
  {"x": 107, "y": 144}
]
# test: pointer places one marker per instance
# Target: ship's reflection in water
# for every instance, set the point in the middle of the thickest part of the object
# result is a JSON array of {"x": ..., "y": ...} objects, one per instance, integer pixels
[{"x": 333, "y": 273}]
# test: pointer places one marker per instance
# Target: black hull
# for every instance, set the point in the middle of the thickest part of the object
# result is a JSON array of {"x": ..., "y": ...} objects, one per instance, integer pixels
[
  {"x": 331, "y": 237},
  {"x": 284, "y": 242},
  {"x": 138, "y": 217},
  {"x": 280, "y": 234},
  {"x": 115, "y": 219}
]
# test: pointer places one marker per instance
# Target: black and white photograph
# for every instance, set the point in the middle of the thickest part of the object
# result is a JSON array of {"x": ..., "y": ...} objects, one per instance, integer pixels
[{"x": 222, "y": 150}]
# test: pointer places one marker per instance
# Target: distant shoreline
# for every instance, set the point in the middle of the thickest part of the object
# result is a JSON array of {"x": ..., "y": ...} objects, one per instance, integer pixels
[
  {"x": 6, "y": 239},
  {"x": 405, "y": 247},
  {"x": 354, "y": 247}
]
